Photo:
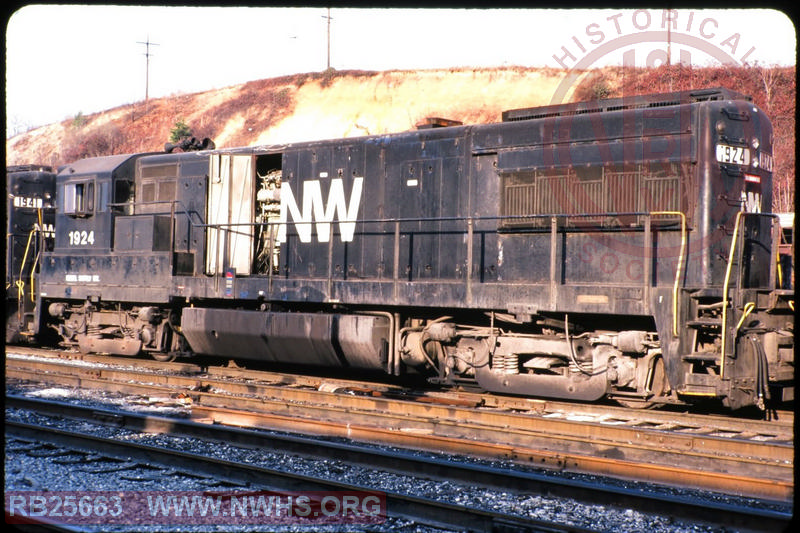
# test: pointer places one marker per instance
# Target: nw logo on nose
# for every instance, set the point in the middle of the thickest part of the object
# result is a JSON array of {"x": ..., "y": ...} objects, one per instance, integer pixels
[{"x": 751, "y": 202}]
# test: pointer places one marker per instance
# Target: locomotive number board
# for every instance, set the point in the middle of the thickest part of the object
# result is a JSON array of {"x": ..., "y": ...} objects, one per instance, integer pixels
[{"x": 737, "y": 155}]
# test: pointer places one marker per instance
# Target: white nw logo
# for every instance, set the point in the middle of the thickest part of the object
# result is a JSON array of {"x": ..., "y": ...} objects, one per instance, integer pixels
[
  {"x": 322, "y": 214},
  {"x": 751, "y": 202}
]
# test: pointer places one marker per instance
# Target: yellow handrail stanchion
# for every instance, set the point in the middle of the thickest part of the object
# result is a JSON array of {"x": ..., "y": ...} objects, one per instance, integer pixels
[
  {"x": 676, "y": 285},
  {"x": 725, "y": 284}
]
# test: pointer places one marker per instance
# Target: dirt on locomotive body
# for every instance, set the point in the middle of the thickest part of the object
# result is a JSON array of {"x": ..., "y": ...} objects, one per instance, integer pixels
[{"x": 618, "y": 249}]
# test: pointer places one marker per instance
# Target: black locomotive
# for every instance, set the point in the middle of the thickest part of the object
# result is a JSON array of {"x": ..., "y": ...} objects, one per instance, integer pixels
[
  {"x": 619, "y": 248},
  {"x": 30, "y": 215}
]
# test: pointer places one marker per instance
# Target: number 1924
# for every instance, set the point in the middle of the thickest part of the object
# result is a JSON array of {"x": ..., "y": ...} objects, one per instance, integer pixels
[{"x": 81, "y": 238}]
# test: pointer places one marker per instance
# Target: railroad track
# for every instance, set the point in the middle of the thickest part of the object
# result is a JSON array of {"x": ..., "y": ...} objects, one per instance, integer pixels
[
  {"x": 126, "y": 454},
  {"x": 749, "y": 458},
  {"x": 429, "y": 511}
]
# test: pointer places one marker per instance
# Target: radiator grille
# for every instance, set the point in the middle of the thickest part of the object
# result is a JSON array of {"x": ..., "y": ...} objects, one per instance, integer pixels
[{"x": 612, "y": 192}]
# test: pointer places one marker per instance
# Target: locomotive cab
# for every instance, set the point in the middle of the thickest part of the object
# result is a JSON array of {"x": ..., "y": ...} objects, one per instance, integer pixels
[
  {"x": 91, "y": 193},
  {"x": 96, "y": 262}
]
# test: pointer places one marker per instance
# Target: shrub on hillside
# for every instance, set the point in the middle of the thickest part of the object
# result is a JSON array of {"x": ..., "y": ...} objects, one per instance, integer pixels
[
  {"x": 179, "y": 131},
  {"x": 107, "y": 140}
]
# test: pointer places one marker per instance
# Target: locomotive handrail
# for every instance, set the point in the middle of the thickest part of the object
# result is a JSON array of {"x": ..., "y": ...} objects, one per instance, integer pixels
[
  {"x": 173, "y": 203},
  {"x": 36, "y": 231},
  {"x": 726, "y": 283},
  {"x": 185, "y": 210},
  {"x": 19, "y": 283},
  {"x": 470, "y": 222},
  {"x": 470, "y": 229},
  {"x": 676, "y": 285},
  {"x": 453, "y": 219}
]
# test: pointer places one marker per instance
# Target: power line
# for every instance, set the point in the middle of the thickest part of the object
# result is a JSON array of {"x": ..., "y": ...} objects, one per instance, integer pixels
[{"x": 147, "y": 55}]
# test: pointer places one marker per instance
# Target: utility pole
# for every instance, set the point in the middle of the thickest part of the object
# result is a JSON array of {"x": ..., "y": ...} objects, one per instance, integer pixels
[
  {"x": 329, "y": 36},
  {"x": 147, "y": 55}
]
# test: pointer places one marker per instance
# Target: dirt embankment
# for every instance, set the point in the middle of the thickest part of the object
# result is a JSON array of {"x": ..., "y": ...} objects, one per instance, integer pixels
[{"x": 290, "y": 109}]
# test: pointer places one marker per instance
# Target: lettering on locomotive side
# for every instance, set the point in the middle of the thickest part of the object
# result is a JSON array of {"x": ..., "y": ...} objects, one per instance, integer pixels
[
  {"x": 48, "y": 230},
  {"x": 336, "y": 208},
  {"x": 765, "y": 161},
  {"x": 81, "y": 238},
  {"x": 82, "y": 278}
]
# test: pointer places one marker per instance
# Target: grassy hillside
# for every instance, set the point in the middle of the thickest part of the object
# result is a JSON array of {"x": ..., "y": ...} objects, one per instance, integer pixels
[{"x": 352, "y": 103}]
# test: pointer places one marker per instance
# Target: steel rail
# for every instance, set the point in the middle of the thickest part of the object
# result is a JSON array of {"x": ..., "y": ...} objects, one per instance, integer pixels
[
  {"x": 617, "y": 427},
  {"x": 599, "y": 492},
  {"x": 263, "y": 396},
  {"x": 780, "y": 421},
  {"x": 432, "y": 512},
  {"x": 629, "y": 452}
]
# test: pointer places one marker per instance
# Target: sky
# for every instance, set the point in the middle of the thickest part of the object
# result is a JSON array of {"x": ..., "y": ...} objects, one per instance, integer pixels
[{"x": 62, "y": 60}]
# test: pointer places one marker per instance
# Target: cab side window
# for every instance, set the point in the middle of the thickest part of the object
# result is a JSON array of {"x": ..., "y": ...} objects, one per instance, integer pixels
[{"x": 79, "y": 198}]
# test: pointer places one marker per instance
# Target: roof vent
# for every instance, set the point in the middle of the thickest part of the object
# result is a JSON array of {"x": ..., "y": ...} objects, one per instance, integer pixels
[
  {"x": 620, "y": 104},
  {"x": 436, "y": 122}
]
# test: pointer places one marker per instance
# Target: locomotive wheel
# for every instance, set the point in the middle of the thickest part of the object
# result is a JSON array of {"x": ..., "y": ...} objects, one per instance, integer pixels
[
  {"x": 658, "y": 386},
  {"x": 164, "y": 357},
  {"x": 12, "y": 328}
]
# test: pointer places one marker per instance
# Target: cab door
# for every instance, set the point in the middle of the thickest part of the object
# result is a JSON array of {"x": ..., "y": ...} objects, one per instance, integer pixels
[{"x": 229, "y": 241}]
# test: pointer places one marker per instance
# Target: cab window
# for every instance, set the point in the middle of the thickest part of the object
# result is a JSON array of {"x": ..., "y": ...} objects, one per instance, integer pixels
[{"x": 79, "y": 198}]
